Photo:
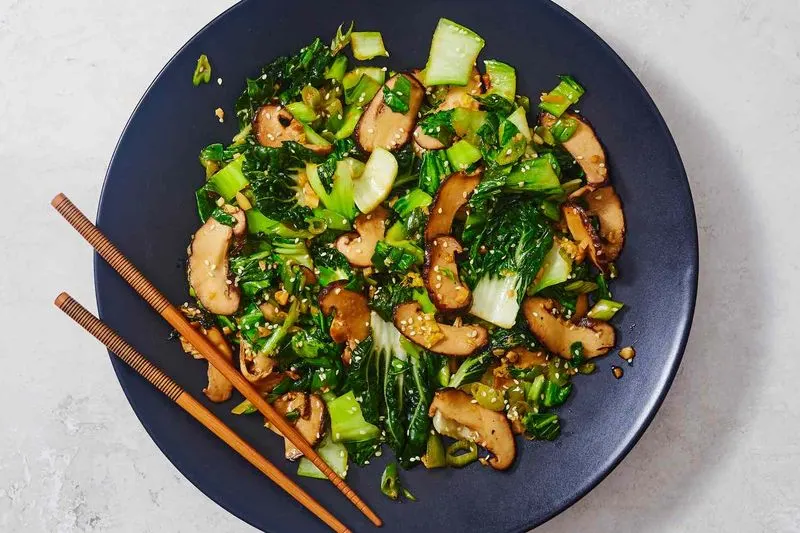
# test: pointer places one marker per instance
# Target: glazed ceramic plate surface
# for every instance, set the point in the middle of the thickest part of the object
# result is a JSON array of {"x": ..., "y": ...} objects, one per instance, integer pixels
[{"x": 147, "y": 208}]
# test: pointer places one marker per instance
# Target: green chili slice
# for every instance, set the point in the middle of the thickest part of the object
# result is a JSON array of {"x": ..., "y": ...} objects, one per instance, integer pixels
[
  {"x": 457, "y": 460},
  {"x": 604, "y": 309},
  {"x": 202, "y": 72},
  {"x": 390, "y": 482},
  {"x": 434, "y": 453},
  {"x": 487, "y": 397},
  {"x": 244, "y": 408}
]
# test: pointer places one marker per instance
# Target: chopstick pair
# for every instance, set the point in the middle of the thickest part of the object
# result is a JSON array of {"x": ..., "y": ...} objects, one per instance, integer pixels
[
  {"x": 188, "y": 403},
  {"x": 175, "y": 318}
]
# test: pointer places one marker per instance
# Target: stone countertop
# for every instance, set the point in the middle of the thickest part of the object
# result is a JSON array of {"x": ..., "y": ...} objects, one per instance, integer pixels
[{"x": 723, "y": 453}]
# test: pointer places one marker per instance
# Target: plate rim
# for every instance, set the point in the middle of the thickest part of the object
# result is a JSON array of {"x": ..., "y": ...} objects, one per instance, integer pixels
[{"x": 685, "y": 324}]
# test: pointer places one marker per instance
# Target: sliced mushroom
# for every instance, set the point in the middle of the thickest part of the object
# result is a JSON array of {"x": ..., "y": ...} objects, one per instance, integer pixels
[
  {"x": 359, "y": 246},
  {"x": 311, "y": 421},
  {"x": 454, "y": 415},
  {"x": 462, "y": 96},
  {"x": 456, "y": 96},
  {"x": 256, "y": 367},
  {"x": 273, "y": 125},
  {"x": 272, "y": 312},
  {"x": 559, "y": 334},
  {"x": 292, "y": 401},
  {"x": 452, "y": 194},
  {"x": 441, "y": 275},
  {"x": 581, "y": 307},
  {"x": 379, "y": 126},
  {"x": 584, "y": 234},
  {"x": 312, "y": 427},
  {"x": 351, "y": 313},
  {"x": 606, "y": 206},
  {"x": 585, "y": 148},
  {"x": 208, "y": 265},
  {"x": 219, "y": 389},
  {"x": 422, "y": 329},
  {"x": 522, "y": 357},
  {"x": 424, "y": 142}
]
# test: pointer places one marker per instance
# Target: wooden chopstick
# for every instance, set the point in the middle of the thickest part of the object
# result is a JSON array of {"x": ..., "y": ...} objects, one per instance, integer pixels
[
  {"x": 174, "y": 392},
  {"x": 106, "y": 249}
]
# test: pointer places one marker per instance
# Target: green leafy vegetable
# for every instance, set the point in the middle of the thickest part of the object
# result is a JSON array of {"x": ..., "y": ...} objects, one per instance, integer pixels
[
  {"x": 284, "y": 78},
  {"x": 362, "y": 451},
  {"x": 331, "y": 264},
  {"x": 471, "y": 369},
  {"x": 602, "y": 288},
  {"x": 433, "y": 170},
  {"x": 542, "y": 426},
  {"x": 576, "y": 351},
  {"x": 342, "y": 38},
  {"x": 413, "y": 199},
  {"x": 566, "y": 93},
  {"x": 555, "y": 395},
  {"x": 340, "y": 199},
  {"x": 223, "y": 218},
  {"x": 439, "y": 125},
  {"x": 496, "y": 103},
  {"x": 418, "y": 395},
  {"x": 397, "y": 97},
  {"x": 389, "y": 258}
]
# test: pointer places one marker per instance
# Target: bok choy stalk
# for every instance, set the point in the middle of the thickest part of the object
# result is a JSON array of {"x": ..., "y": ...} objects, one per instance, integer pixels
[
  {"x": 340, "y": 199},
  {"x": 367, "y": 44},
  {"x": 517, "y": 240},
  {"x": 347, "y": 420},
  {"x": 333, "y": 453},
  {"x": 556, "y": 268},
  {"x": 502, "y": 79},
  {"x": 566, "y": 93}
]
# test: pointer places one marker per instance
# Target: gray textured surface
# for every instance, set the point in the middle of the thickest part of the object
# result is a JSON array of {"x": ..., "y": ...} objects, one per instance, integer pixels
[{"x": 722, "y": 455}]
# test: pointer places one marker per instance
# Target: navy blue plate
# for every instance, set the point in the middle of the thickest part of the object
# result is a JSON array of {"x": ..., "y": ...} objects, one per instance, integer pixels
[{"x": 147, "y": 209}]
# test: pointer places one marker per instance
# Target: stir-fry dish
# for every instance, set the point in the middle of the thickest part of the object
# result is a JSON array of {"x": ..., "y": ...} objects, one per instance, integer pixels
[{"x": 413, "y": 259}]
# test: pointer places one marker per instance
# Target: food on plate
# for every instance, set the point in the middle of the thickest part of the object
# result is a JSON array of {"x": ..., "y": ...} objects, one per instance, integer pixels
[{"x": 404, "y": 257}]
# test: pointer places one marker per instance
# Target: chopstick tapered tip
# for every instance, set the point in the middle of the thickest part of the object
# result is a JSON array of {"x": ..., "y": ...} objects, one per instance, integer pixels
[
  {"x": 58, "y": 200},
  {"x": 61, "y": 299}
]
